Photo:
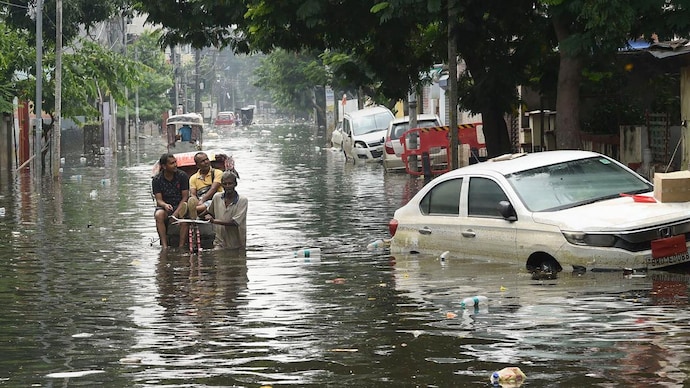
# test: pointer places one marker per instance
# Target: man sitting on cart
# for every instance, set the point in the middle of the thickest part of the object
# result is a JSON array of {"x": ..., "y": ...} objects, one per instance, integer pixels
[
  {"x": 171, "y": 190},
  {"x": 202, "y": 185}
]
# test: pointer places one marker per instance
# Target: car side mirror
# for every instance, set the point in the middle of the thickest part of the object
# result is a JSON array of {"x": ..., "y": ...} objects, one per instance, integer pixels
[{"x": 507, "y": 211}]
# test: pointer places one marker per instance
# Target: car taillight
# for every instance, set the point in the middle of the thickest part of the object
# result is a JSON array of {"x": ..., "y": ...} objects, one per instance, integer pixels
[
  {"x": 392, "y": 226},
  {"x": 388, "y": 146}
]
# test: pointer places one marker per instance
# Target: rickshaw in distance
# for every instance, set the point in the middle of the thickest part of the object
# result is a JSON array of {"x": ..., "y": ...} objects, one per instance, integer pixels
[{"x": 185, "y": 132}]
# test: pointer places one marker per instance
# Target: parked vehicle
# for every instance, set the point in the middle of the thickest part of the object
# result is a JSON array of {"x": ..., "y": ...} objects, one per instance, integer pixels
[
  {"x": 364, "y": 132},
  {"x": 548, "y": 210},
  {"x": 185, "y": 132},
  {"x": 224, "y": 119},
  {"x": 337, "y": 136},
  {"x": 393, "y": 148}
]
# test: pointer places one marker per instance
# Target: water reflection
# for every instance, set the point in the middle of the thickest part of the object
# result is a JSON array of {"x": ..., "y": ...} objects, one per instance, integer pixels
[{"x": 91, "y": 300}]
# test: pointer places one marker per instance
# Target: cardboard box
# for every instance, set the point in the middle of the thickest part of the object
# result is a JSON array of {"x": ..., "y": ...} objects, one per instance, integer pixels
[{"x": 672, "y": 186}]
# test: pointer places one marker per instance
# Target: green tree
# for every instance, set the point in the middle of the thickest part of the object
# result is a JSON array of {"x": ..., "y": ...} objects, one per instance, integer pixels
[
  {"x": 155, "y": 78},
  {"x": 593, "y": 31},
  {"x": 15, "y": 61},
  {"x": 290, "y": 79}
]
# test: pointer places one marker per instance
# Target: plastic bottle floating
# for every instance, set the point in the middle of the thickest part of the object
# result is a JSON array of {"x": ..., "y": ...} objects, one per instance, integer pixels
[
  {"x": 378, "y": 244},
  {"x": 308, "y": 252},
  {"x": 508, "y": 377},
  {"x": 476, "y": 300}
]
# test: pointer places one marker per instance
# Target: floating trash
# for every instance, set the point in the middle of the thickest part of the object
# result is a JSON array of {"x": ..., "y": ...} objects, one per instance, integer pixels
[
  {"x": 68, "y": 375},
  {"x": 510, "y": 375},
  {"x": 474, "y": 301},
  {"x": 378, "y": 244},
  {"x": 308, "y": 252}
]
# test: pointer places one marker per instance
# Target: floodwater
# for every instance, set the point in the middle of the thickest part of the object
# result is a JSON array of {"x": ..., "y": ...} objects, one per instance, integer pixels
[{"x": 90, "y": 300}]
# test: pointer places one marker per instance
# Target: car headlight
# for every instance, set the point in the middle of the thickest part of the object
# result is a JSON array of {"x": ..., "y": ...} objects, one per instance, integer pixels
[
  {"x": 360, "y": 145},
  {"x": 593, "y": 240}
]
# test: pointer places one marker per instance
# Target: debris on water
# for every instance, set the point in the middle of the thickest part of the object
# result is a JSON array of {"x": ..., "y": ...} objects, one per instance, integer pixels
[
  {"x": 474, "y": 301},
  {"x": 629, "y": 273},
  {"x": 444, "y": 255},
  {"x": 451, "y": 315},
  {"x": 308, "y": 252},
  {"x": 378, "y": 244},
  {"x": 67, "y": 375},
  {"x": 93, "y": 194},
  {"x": 130, "y": 360},
  {"x": 512, "y": 376}
]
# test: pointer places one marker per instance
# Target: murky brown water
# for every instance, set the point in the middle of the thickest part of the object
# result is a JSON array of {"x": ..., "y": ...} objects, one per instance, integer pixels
[{"x": 88, "y": 300}]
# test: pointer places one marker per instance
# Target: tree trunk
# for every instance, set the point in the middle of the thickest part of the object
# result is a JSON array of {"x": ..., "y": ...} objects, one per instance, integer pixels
[
  {"x": 495, "y": 132},
  {"x": 568, "y": 94}
]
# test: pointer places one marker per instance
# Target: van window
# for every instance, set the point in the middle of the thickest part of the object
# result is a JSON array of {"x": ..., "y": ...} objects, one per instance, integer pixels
[{"x": 371, "y": 123}]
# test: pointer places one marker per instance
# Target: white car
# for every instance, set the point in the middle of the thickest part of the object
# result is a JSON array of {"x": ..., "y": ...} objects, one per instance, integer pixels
[
  {"x": 548, "y": 210},
  {"x": 337, "y": 136},
  {"x": 392, "y": 160},
  {"x": 364, "y": 131}
]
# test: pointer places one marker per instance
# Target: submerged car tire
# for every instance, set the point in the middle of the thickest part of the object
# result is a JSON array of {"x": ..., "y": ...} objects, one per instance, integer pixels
[{"x": 544, "y": 263}]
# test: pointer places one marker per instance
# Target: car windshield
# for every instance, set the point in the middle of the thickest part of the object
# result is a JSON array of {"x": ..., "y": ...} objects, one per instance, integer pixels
[
  {"x": 400, "y": 128},
  {"x": 574, "y": 183},
  {"x": 371, "y": 123}
]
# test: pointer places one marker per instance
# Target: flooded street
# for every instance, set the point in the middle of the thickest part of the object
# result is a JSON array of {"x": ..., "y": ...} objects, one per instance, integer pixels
[{"x": 90, "y": 300}]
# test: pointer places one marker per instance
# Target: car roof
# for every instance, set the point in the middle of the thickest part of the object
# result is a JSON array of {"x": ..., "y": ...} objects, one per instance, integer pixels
[
  {"x": 510, "y": 163},
  {"x": 421, "y": 116},
  {"x": 368, "y": 111}
]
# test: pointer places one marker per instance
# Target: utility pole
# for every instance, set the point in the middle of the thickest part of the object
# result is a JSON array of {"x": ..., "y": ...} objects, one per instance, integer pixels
[
  {"x": 453, "y": 83},
  {"x": 136, "y": 111},
  {"x": 125, "y": 130},
  {"x": 197, "y": 82},
  {"x": 56, "y": 132},
  {"x": 38, "y": 104}
]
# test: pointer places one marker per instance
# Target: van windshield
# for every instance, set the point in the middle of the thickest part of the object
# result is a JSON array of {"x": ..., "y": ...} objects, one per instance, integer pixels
[{"x": 371, "y": 123}]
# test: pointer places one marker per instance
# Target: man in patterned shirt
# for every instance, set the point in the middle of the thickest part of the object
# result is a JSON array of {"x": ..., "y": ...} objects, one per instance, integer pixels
[{"x": 171, "y": 190}]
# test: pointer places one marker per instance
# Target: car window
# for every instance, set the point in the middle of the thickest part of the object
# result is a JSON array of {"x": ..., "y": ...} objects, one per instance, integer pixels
[
  {"x": 371, "y": 123},
  {"x": 443, "y": 199},
  {"x": 574, "y": 183},
  {"x": 346, "y": 126},
  {"x": 483, "y": 198},
  {"x": 400, "y": 128}
]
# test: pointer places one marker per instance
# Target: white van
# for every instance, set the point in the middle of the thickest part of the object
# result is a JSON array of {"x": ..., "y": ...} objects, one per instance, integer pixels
[{"x": 364, "y": 132}]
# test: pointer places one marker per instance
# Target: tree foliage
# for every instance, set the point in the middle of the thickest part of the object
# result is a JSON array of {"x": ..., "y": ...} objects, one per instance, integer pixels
[
  {"x": 76, "y": 15},
  {"x": 154, "y": 78},
  {"x": 16, "y": 60},
  {"x": 290, "y": 79}
]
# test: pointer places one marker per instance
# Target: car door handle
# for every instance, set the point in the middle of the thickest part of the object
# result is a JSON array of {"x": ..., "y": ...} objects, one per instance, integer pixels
[
  {"x": 424, "y": 230},
  {"x": 468, "y": 233}
]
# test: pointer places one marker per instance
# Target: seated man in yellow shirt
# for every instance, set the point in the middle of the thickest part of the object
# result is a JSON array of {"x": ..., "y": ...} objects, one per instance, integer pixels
[{"x": 202, "y": 185}]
